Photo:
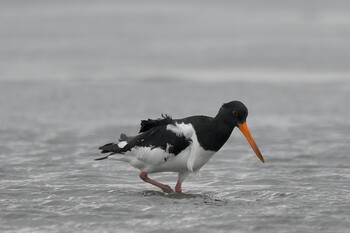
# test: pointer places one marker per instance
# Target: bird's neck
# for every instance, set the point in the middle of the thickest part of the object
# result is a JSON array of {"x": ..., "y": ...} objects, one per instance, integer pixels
[
  {"x": 223, "y": 128},
  {"x": 217, "y": 133}
]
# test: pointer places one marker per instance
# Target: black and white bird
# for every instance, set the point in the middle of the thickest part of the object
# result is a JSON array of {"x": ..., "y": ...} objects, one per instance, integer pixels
[{"x": 179, "y": 145}]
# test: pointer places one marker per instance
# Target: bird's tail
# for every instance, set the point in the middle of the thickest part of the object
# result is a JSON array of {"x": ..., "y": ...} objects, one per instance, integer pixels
[
  {"x": 111, "y": 148},
  {"x": 115, "y": 148}
]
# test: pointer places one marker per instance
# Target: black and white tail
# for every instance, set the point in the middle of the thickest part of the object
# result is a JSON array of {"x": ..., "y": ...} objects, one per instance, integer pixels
[{"x": 115, "y": 148}]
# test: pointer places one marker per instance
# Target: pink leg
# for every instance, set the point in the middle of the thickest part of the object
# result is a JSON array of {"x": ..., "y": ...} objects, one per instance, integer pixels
[
  {"x": 178, "y": 186},
  {"x": 165, "y": 188}
]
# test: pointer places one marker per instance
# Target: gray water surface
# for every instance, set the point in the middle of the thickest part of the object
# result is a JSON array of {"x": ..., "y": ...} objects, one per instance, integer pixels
[
  {"x": 75, "y": 74},
  {"x": 50, "y": 132}
]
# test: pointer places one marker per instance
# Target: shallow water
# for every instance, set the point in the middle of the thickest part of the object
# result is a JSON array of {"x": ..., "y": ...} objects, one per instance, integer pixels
[{"x": 50, "y": 132}]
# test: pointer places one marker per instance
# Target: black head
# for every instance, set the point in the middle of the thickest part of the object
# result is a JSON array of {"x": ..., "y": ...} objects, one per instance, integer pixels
[{"x": 234, "y": 112}]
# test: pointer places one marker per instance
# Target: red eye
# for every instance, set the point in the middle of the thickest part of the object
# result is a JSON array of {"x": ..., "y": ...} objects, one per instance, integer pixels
[{"x": 235, "y": 114}]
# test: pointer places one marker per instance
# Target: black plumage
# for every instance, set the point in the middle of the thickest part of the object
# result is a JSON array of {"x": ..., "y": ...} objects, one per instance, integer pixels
[
  {"x": 153, "y": 134},
  {"x": 150, "y": 123}
]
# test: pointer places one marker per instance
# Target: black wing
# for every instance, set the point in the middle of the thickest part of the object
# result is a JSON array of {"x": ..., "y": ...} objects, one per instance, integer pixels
[
  {"x": 150, "y": 123},
  {"x": 153, "y": 134}
]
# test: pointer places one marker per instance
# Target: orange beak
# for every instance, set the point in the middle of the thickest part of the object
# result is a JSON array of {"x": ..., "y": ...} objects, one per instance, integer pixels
[{"x": 245, "y": 130}]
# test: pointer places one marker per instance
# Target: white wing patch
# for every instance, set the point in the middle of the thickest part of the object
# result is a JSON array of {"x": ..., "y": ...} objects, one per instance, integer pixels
[
  {"x": 122, "y": 144},
  {"x": 180, "y": 130}
]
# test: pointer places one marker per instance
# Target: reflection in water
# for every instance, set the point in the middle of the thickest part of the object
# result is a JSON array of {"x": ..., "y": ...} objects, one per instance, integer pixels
[{"x": 195, "y": 199}]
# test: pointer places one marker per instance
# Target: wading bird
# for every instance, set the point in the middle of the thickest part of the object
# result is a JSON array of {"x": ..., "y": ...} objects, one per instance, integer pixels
[{"x": 179, "y": 145}]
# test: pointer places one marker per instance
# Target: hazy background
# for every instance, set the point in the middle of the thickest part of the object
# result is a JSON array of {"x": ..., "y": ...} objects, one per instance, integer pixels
[
  {"x": 159, "y": 39},
  {"x": 75, "y": 74}
]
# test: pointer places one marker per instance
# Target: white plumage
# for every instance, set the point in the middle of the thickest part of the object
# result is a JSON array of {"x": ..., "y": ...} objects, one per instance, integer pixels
[{"x": 182, "y": 129}]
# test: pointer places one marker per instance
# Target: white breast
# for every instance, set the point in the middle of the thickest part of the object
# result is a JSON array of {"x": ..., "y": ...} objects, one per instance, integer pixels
[
  {"x": 198, "y": 156},
  {"x": 189, "y": 160}
]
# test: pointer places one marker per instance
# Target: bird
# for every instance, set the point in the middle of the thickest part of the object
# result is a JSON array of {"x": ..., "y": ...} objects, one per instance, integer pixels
[{"x": 182, "y": 145}]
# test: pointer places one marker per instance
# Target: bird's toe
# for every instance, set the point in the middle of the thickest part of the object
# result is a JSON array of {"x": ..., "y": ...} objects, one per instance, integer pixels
[{"x": 167, "y": 189}]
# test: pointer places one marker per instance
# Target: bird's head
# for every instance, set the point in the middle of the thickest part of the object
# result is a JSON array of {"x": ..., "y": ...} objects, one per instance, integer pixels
[{"x": 235, "y": 112}]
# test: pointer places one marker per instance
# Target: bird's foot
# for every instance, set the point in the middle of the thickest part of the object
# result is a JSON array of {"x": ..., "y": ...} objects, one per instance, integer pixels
[
  {"x": 164, "y": 187},
  {"x": 167, "y": 189}
]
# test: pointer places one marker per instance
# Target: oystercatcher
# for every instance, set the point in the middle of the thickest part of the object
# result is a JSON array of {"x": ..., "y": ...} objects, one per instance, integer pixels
[{"x": 179, "y": 145}]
